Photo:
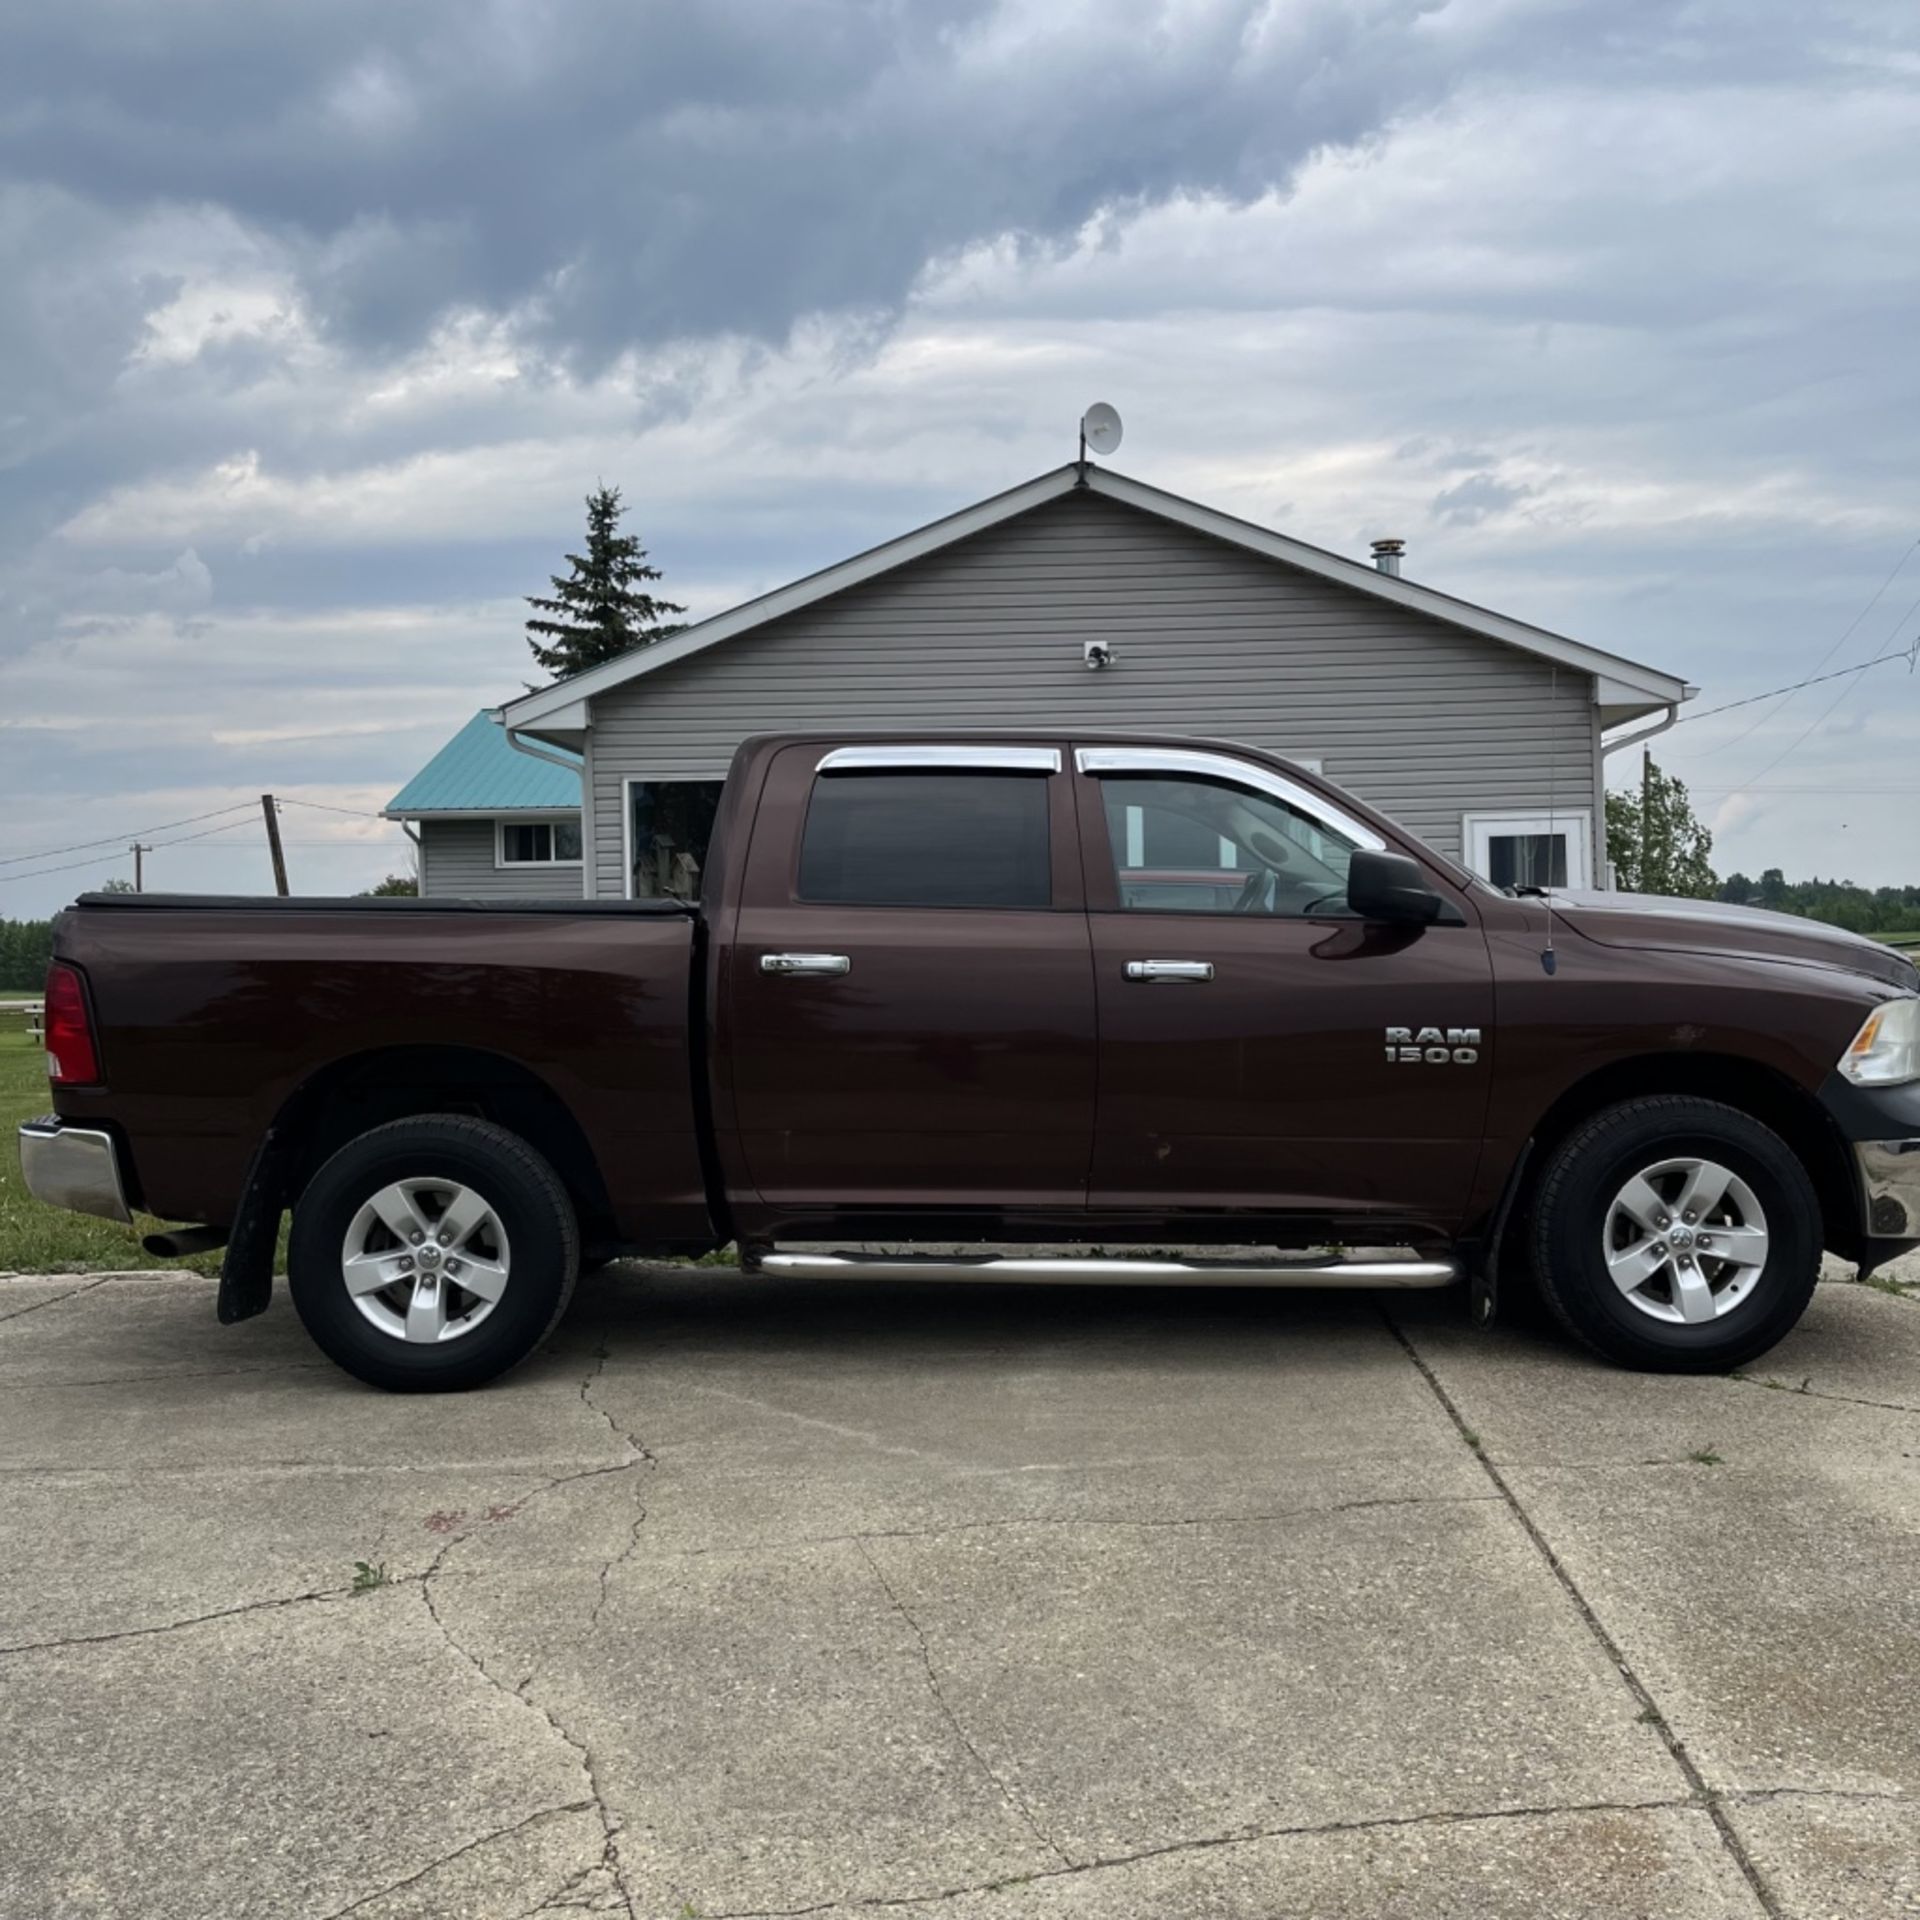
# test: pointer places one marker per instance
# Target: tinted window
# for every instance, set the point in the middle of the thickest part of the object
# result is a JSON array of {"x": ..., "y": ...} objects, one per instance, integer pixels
[
  {"x": 539, "y": 843},
  {"x": 1204, "y": 846},
  {"x": 927, "y": 840}
]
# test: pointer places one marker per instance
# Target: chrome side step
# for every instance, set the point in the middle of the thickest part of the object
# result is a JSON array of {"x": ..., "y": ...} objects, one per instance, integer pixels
[{"x": 1311, "y": 1271}]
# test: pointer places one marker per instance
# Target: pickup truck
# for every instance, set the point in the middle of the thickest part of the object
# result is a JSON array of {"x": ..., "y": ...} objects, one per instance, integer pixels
[{"x": 1008, "y": 992}]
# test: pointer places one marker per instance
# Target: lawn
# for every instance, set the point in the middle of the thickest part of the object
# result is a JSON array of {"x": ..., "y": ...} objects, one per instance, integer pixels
[{"x": 37, "y": 1239}]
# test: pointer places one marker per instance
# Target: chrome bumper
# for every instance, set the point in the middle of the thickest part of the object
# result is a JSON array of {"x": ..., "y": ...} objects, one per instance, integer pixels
[
  {"x": 73, "y": 1167},
  {"x": 1890, "y": 1180}
]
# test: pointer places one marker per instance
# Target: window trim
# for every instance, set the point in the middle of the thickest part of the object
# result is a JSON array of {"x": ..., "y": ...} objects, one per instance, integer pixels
[
  {"x": 628, "y": 781},
  {"x": 1220, "y": 766},
  {"x": 1575, "y": 823},
  {"x": 953, "y": 758},
  {"x": 501, "y": 822}
]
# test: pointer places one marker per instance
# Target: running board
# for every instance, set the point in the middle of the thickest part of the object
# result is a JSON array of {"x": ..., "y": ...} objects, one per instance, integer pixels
[{"x": 1108, "y": 1273}]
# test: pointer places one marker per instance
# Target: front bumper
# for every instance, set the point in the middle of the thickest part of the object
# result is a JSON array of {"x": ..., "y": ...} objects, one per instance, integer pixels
[
  {"x": 73, "y": 1167},
  {"x": 1890, "y": 1186}
]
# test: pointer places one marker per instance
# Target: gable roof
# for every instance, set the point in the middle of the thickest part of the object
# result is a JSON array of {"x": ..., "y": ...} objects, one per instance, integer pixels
[
  {"x": 480, "y": 771},
  {"x": 1623, "y": 684}
]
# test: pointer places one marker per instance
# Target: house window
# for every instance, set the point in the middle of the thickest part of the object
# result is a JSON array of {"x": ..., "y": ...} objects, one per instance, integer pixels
[
  {"x": 1529, "y": 849},
  {"x": 537, "y": 843},
  {"x": 927, "y": 840},
  {"x": 669, "y": 825}
]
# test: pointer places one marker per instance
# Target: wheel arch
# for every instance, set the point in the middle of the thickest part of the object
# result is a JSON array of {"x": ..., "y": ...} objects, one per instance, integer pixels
[
  {"x": 1760, "y": 1091},
  {"x": 348, "y": 1096}
]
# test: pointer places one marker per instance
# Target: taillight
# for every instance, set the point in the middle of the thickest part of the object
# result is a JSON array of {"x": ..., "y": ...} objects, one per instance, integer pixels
[{"x": 72, "y": 1058}]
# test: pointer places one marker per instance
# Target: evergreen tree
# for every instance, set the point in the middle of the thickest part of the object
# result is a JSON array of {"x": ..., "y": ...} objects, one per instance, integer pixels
[
  {"x": 602, "y": 608},
  {"x": 1656, "y": 843},
  {"x": 396, "y": 886}
]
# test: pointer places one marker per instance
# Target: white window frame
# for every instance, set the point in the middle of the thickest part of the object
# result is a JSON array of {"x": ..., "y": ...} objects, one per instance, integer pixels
[
  {"x": 503, "y": 821},
  {"x": 1478, "y": 830}
]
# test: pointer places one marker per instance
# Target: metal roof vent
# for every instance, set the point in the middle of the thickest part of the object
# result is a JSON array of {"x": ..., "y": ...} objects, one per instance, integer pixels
[{"x": 1386, "y": 555}]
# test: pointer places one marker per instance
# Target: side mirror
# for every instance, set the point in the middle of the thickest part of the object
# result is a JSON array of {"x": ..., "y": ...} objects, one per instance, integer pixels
[{"x": 1391, "y": 886}]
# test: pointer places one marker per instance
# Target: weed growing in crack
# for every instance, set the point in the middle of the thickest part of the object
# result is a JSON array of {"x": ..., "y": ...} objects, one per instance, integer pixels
[
  {"x": 1472, "y": 1439},
  {"x": 368, "y": 1574},
  {"x": 1706, "y": 1457},
  {"x": 1886, "y": 1283}
]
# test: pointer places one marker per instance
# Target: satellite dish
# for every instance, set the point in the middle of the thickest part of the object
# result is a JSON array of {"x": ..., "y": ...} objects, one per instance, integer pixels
[{"x": 1099, "y": 429}]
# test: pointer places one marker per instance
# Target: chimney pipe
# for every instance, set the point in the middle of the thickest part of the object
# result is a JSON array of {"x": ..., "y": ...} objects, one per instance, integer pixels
[{"x": 1386, "y": 555}]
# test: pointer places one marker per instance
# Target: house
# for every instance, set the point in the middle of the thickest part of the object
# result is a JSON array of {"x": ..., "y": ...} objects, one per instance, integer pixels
[
  {"x": 490, "y": 819},
  {"x": 1482, "y": 734}
]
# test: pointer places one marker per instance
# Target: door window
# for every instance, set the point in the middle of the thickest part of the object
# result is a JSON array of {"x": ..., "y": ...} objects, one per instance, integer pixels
[
  {"x": 1198, "y": 845},
  {"x": 927, "y": 839}
]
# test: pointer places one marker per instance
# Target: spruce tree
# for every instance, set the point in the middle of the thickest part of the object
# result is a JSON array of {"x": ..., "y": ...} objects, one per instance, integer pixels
[{"x": 602, "y": 608}]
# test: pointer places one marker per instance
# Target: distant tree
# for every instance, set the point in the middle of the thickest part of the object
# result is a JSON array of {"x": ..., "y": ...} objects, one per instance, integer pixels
[
  {"x": 26, "y": 946},
  {"x": 1655, "y": 841},
  {"x": 601, "y": 609},
  {"x": 394, "y": 886},
  {"x": 116, "y": 886}
]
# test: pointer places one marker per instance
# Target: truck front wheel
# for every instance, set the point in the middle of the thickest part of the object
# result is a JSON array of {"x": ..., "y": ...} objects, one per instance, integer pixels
[
  {"x": 1677, "y": 1235},
  {"x": 432, "y": 1254}
]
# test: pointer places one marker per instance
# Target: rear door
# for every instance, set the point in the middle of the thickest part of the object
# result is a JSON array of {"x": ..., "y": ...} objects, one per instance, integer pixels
[
  {"x": 911, "y": 992},
  {"x": 1262, "y": 1050}
]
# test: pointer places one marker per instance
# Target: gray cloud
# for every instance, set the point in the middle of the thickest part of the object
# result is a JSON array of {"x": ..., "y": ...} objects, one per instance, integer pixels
[{"x": 315, "y": 324}]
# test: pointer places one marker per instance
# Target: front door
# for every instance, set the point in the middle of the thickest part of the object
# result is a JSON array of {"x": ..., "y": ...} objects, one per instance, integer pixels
[
  {"x": 911, "y": 990},
  {"x": 1263, "y": 1051}
]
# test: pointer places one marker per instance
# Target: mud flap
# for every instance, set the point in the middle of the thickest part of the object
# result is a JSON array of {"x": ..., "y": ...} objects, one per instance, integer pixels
[
  {"x": 246, "y": 1274},
  {"x": 1483, "y": 1285}
]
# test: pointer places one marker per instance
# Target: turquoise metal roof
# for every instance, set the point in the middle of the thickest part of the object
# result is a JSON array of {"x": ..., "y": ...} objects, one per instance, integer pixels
[{"x": 480, "y": 769}]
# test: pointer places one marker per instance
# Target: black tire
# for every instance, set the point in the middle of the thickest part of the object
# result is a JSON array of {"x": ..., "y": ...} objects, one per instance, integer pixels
[
  {"x": 1569, "y": 1220},
  {"x": 523, "y": 1193}
]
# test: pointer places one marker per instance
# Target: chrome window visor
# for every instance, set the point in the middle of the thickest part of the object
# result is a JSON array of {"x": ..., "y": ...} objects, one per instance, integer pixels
[
  {"x": 1217, "y": 766},
  {"x": 979, "y": 759}
]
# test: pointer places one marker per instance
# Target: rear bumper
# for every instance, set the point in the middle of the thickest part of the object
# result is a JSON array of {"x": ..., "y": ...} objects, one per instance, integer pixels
[
  {"x": 73, "y": 1167},
  {"x": 1890, "y": 1187}
]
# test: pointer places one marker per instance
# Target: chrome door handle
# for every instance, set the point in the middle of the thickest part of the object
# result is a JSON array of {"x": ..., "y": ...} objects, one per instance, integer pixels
[
  {"x": 1195, "y": 971},
  {"x": 820, "y": 966}
]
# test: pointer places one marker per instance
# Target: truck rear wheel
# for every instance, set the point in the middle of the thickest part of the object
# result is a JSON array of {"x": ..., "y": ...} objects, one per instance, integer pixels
[
  {"x": 432, "y": 1254},
  {"x": 1677, "y": 1235}
]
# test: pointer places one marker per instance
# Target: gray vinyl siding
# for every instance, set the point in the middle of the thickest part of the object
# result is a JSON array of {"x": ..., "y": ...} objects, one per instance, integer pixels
[
  {"x": 1422, "y": 719},
  {"x": 456, "y": 860}
]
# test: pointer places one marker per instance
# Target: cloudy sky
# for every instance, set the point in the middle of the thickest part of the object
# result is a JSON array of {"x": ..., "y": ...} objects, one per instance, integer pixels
[{"x": 317, "y": 322}]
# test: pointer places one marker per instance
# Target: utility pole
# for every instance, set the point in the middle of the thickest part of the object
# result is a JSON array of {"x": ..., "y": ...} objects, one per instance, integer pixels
[
  {"x": 1646, "y": 820},
  {"x": 139, "y": 870},
  {"x": 270, "y": 808}
]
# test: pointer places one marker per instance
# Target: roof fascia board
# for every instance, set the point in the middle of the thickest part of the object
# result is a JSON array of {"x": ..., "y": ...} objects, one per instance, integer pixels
[
  {"x": 1400, "y": 592},
  {"x": 477, "y": 813},
  {"x": 544, "y": 707}
]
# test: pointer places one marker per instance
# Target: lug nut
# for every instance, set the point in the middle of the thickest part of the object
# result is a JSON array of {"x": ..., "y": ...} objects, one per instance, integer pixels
[
  {"x": 406, "y": 1263},
  {"x": 417, "y": 1236},
  {"x": 1664, "y": 1222},
  {"x": 1691, "y": 1218}
]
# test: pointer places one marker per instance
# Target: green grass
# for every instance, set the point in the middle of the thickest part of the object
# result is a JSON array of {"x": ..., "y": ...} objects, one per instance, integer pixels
[{"x": 40, "y": 1239}]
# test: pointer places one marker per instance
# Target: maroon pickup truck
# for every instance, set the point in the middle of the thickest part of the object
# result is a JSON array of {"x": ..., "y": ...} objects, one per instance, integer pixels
[{"x": 1011, "y": 992}]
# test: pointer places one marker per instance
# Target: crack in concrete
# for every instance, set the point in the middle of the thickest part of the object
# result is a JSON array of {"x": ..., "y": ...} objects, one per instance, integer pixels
[
  {"x": 458, "y": 1853},
  {"x": 192, "y": 1620},
  {"x": 609, "y": 1822},
  {"x": 1805, "y": 1392},
  {"x": 72, "y": 1293},
  {"x": 1871, "y": 1796},
  {"x": 1013, "y": 1800},
  {"x": 185, "y": 1373},
  {"x": 637, "y": 1456},
  {"x": 1650, "y": 1709},
  {"x": 1242, "y": 1836},
  {"x": 523, "y": 1694}
]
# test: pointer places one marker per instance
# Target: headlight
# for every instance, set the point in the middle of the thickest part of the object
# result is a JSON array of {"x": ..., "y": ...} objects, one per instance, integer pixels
[{"x": 1886, "y": 1050}]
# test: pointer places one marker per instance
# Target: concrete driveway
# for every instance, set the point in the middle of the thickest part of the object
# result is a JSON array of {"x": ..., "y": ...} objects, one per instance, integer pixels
[{"x": 980, "y": 1604}]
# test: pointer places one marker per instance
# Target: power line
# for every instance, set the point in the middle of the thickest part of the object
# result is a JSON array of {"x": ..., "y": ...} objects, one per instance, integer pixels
[
  {"x": 1888, "y": 652},
  {"x": 1839, "y": 673},
  {"x": 1846, "y": 634},
  {"x": 361, "y": 813},
  {"x": 119, "y": 839}
]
